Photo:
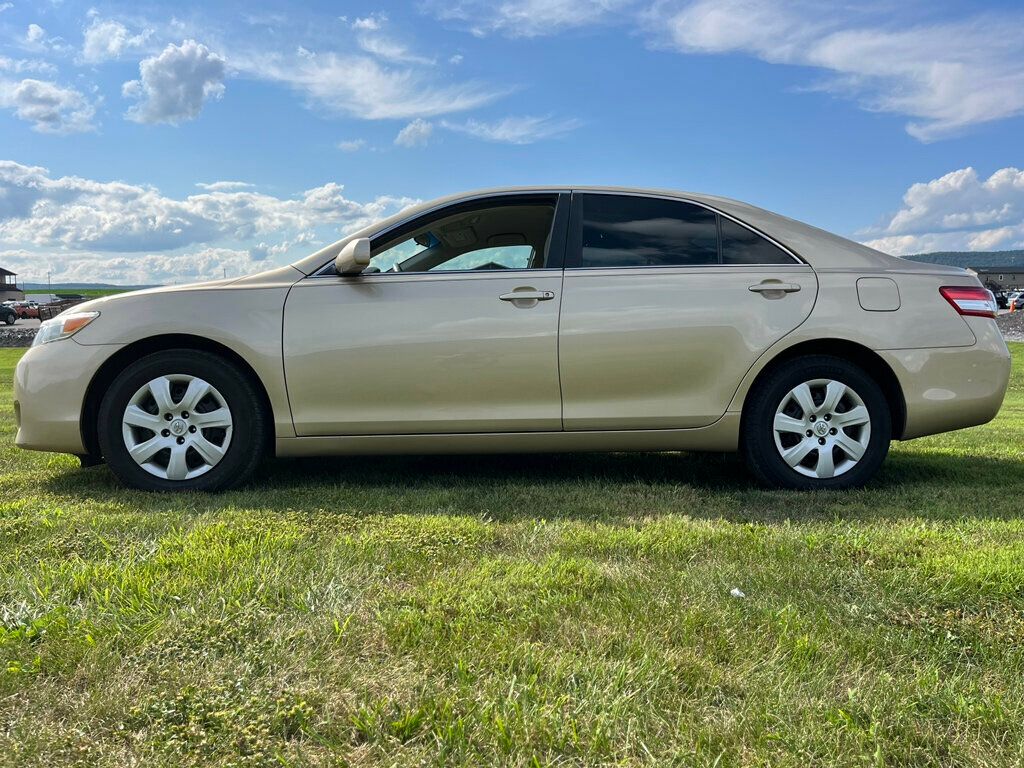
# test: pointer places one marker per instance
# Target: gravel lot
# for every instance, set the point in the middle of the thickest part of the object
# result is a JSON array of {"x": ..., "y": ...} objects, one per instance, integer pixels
[{"x": 1012, "y": 326}]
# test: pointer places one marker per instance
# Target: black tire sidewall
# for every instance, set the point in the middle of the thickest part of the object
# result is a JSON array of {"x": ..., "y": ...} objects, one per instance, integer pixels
[
  {"x": 758, "y": 436},
  {"x": 248, "y": 420}
]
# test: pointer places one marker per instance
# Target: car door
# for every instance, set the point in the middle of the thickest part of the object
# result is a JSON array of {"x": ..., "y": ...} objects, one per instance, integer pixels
[
  {"x": 452, "y": 329},
  {"x": 666, "y": 304}
]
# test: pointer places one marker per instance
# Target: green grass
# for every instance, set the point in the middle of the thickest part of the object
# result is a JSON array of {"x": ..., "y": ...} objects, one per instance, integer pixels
[{"x": 548, "y": 610}]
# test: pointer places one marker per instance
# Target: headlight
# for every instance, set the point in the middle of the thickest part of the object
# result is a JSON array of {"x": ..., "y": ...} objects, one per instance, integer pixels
[{"x": 63, "y": 327}]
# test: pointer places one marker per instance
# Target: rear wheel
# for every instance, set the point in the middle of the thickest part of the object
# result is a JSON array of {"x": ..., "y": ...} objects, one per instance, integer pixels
[
  {"x": 816, "y": 422},
  {"x": 10, "y": 317},
  {"x": 182, "y": 420}
]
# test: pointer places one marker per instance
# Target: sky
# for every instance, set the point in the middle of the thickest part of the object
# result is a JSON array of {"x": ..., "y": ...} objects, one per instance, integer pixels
[{"x": 166, "y": 142}]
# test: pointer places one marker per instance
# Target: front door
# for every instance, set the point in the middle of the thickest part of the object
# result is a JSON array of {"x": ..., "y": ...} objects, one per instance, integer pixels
[
  {"x": 666, "y": 305},
  {"x": 453, "y": 328}
]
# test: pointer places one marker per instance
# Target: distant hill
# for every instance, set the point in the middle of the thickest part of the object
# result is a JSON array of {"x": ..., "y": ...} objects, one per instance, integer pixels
[
  {"x": 972, "y": 258},
  {"x": 69, "y": 287}
]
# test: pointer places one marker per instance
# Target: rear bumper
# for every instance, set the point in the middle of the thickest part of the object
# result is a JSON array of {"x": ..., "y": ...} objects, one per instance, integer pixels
[
  {"x": 50, "y": 383},
  {"x": 949, "y": 388}
]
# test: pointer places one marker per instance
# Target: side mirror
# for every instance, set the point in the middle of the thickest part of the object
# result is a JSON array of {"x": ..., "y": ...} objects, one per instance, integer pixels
[{"x": 353, "y": 257}]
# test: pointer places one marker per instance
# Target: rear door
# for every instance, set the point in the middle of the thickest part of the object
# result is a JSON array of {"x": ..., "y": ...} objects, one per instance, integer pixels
[{"x": 666, "y": 304}]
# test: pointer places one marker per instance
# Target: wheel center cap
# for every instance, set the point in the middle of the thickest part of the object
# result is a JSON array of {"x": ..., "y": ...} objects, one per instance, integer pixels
[
  {"x": 821, "y": 428},
  {"x": 178, "y": 427}
]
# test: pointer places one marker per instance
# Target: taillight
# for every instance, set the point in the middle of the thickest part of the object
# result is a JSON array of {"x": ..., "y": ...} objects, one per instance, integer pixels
[{"x": 976, "y": 302}]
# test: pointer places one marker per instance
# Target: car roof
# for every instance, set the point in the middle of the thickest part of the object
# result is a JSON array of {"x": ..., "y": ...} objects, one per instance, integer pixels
[{"x": 819, "y": 248}]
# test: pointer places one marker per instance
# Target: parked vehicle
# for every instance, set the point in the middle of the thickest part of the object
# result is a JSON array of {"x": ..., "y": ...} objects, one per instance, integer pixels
[
  {"x": 522, "y": 320},
  {"x": 27, "y": 309},
  {"x": 1016, "y": 301},
  {"x": 8, "y": 315}
]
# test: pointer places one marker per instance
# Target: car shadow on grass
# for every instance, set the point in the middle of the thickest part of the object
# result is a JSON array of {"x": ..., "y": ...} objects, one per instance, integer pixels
[{"x": 582, "y": 486}]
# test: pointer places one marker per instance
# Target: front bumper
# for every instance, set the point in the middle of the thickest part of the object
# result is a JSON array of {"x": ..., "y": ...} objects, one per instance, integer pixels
[
  {"x": 50, "y": 383},
  {"x": 952, "y": 387}
]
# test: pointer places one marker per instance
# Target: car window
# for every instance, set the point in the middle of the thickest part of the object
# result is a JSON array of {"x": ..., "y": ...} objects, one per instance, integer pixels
[
  {"x": 494, "y": 237},
  {"x": 743, "y": 246},
  {"x": 631, "y": 231}
]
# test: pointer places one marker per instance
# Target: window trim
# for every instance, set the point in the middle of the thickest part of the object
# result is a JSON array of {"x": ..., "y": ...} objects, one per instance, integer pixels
[
  {"x": 558, "y": 240},
  {"x": 574, "y": 248}
]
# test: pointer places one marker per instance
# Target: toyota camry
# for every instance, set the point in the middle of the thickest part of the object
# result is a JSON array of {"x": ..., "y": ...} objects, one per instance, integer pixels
[{"x": 528, "y": 320}]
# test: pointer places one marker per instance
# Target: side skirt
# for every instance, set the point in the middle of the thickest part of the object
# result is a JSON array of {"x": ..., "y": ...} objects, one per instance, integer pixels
[{"x": 722, "y": 436}]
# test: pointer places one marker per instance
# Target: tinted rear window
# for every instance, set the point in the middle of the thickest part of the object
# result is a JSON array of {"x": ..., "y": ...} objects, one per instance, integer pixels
[
  {"x": 627, "y": 231},
  {"x": 741, "y": 246}
]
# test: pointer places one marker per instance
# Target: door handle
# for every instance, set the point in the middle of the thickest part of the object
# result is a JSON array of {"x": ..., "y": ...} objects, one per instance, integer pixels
[
  {"x": 528, "y": 295},
  {"x": 774, "y": 286}
]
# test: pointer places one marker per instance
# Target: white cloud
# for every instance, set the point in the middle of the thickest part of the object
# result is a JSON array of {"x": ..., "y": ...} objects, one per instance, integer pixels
[
  {"x": 945, "y": 76},
  {"x": 50, "y": 108},
  {"x": 223, "y": 186},
  {"x": 107, "y": 39},
  {"x": 370, "y": 23},
  {"x": 76, "y": 214},
  {"x": 17, "y": 66},
  {"x": 6, "y": 7},
  {"x": 34, "y": 34},
  {"x": 351, "y": 145},
  {"x": 174, "y": 85},
  {"x": 390, "y": 49},
  {"x": 526, "y": 18},
  {"x": 415, "y": 134},
  {"x": 514, "y": 130},
  {"x": 362, "y": 87},
  {"x": 960, "y": 212},
  {"x": 137, "y": 269}
]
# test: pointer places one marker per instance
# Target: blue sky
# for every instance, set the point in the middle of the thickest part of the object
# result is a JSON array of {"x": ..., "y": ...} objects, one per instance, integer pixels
[{"x": 148, "y": 142}]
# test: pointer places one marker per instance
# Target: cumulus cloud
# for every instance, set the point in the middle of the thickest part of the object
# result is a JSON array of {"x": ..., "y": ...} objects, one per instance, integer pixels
[
  {"x": 174, "y": 85},
  {"x": 515, "y": 130},
  {"x": 223, "y": 186},
  {"x": 945, "y": 76},
  {"x": 17, "y": 66},
  {"x": 525, "y": 18},
  {"x": 138, "y": 269},
  {"x": 351, "y": 145},
  {"x": 34, "y": 34},
  {"x": 960, "y": 211},
  {"x": 50, "y": 108},
  {"x": 364, "y": 87},
  {"x": 106, "y": 39},
  {"x": 39, "y": 210},
  {"x": 415, "y": 134}
]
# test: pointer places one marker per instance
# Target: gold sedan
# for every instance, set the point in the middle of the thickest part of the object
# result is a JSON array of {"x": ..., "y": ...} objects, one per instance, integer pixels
[{"x": 521, "y": 320}]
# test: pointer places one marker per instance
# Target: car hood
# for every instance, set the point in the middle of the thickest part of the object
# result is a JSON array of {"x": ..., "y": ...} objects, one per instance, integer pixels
[{"x": 279, "y": 276}]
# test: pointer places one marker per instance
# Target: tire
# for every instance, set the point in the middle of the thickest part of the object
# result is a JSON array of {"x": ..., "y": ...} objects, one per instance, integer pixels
[
  {"x": 9, "y": 318},
  {"x": 858, "y": 422},
  {"x": 213, "y": 448}
]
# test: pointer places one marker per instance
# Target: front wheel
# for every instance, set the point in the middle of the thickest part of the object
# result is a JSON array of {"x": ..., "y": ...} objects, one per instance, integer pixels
[
  {"x": 182, "y": 420},
  {"x": 10, "y": 317},
  {"x": 816, "y": 422}
]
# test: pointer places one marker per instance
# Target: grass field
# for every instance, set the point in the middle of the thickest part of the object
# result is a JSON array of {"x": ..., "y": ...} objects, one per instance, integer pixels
[{"x": 550, "y": 610}]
